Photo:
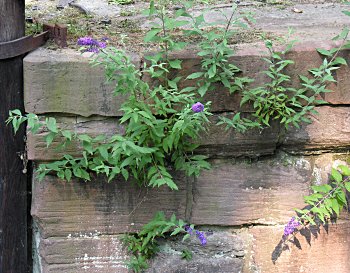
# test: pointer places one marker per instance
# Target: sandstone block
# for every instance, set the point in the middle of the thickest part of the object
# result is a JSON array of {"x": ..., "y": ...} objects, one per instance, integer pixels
[
  {"x": 223, "y": 253},
  {"x": 75, "y": 208},
  {"x": 265, "y": 191},
  {"x": 328, "y": 252},
  {"x": 65, "y": 82},
  {"x": 329, "y": 131}
]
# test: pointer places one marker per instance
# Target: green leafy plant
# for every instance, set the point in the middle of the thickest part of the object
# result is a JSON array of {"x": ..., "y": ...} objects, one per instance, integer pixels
[
  {"x": 216, "y": 52},
  {"x": 143, "y": 245},
  {"x": 163, "y": 122}
]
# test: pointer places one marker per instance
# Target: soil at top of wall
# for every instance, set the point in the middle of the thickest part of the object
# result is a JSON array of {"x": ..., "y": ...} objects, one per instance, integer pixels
[{"x": 125, "y": 25}]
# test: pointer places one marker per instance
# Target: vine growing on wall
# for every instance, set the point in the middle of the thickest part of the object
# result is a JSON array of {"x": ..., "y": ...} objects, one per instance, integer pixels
[{"x": 163, "y": 122}]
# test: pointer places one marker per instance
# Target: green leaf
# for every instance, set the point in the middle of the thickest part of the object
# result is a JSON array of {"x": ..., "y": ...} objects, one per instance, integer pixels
[
  {"x": 195, "y": 75},
  {"x": 175, "y": 64},
  {"x": 176, "y": 231},
  {"x": 67, "y": 134},
  {"x": 324, "y": 52},
  {"x": 336, "y": 175},
  {"x": 85, "y": 138},
  {"x": 346, "y": 12},
  {"x": 68, "y": 174},
  {"x": 49, "y": 138},
  {"x": 51, "y": 125},
  {"x": 103, "y": 151},
  {"x": 335, "y": 206},
  {"x": 345, "y": 170},
  {"x": 152, "y": 35},
  {"x": 347, "y": 186}
]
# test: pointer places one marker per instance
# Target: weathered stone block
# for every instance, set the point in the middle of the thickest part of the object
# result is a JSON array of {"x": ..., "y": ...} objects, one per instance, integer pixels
[
  {"x": 37, "y": 149},
  {"x": 241, "y": 193},
  {"x": 223, "y": 253},
  {"x": 65, "y": 82},
  {"x": 329, "y": 252},
  {"x": 76, "y": 208},
  {"x": 94, "y": 253},
  {"x": 329, "y": 131},
  {"x": 218, "y": 142}
]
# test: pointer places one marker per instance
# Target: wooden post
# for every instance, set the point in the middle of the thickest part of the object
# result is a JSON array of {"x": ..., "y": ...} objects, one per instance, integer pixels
[{"x": 13, "y": 182}]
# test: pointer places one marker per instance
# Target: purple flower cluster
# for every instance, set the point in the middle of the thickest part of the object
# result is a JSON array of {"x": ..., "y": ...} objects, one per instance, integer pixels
[
  {"x": 91, "y": 45},
  {"x": 197, "y": 107},
  {"x": 291, "y": 226},
  {"x": 200, "y": 234}
]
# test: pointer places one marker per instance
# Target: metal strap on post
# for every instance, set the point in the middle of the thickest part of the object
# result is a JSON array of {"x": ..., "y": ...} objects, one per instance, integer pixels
[{"x": 28, "y": 43}]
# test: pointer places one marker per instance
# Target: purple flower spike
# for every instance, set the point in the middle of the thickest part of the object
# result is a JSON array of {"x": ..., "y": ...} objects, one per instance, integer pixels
[
  {"x": 201, "y": 237},
  {"x": 291, "y": 226},
  {"x": 197, "y": 107},
  {"x": 91, "y": 45},
  {"x": 87, "y": 41},
  {"x": 200, "y": 234}
]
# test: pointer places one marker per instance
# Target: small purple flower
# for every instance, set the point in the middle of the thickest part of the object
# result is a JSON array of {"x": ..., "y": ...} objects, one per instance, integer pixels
[
  {"x": 201, "y": 237},
  {"x": 200, "y": 234},
  {"x": 197, "y": 107},
  {"x": 188, "y": 229},
  {"x": 291, "y": 226},
  {"x": 102, "y": 44}
]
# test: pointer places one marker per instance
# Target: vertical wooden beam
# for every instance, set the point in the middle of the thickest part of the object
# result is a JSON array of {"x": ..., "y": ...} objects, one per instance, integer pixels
[{"x": 13, "y": 183}]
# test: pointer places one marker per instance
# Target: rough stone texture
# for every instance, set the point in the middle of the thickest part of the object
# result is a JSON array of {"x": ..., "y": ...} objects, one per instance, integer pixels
[
  {"x": 219, "y": 143},
  {"x": 80, "y": 208},
  {"x": 99, "y": 8},
  {"x": 64, "y": 82},
  {"x": 250, "y": 192},
  {"x": 38, "y": 151},
  {"x": 223, "y": 253},
  {"x": 57, "y": 82},
  {"x": 329, "y": 130},
  {"x": 329, "y": 252},
  {"x": 216, "y": 143},
  {"x": 91, "y": 253}
]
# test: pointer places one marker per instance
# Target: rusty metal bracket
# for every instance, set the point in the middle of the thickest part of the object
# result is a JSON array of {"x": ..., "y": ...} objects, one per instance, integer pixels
[{"x": 26, "y": 44}]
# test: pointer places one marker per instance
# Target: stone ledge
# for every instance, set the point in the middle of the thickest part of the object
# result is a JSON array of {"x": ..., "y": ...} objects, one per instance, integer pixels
[
  {"x": 216, "y": 143},
  {"x": 83, "y": 208},
  {"x": 64, "y": 82},
  {"x": 94, "y": 254},
  {"x": 329, "y": 131}
]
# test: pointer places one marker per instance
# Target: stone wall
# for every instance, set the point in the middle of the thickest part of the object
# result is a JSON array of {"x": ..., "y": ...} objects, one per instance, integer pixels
[{"x": 243, "y": 202}]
